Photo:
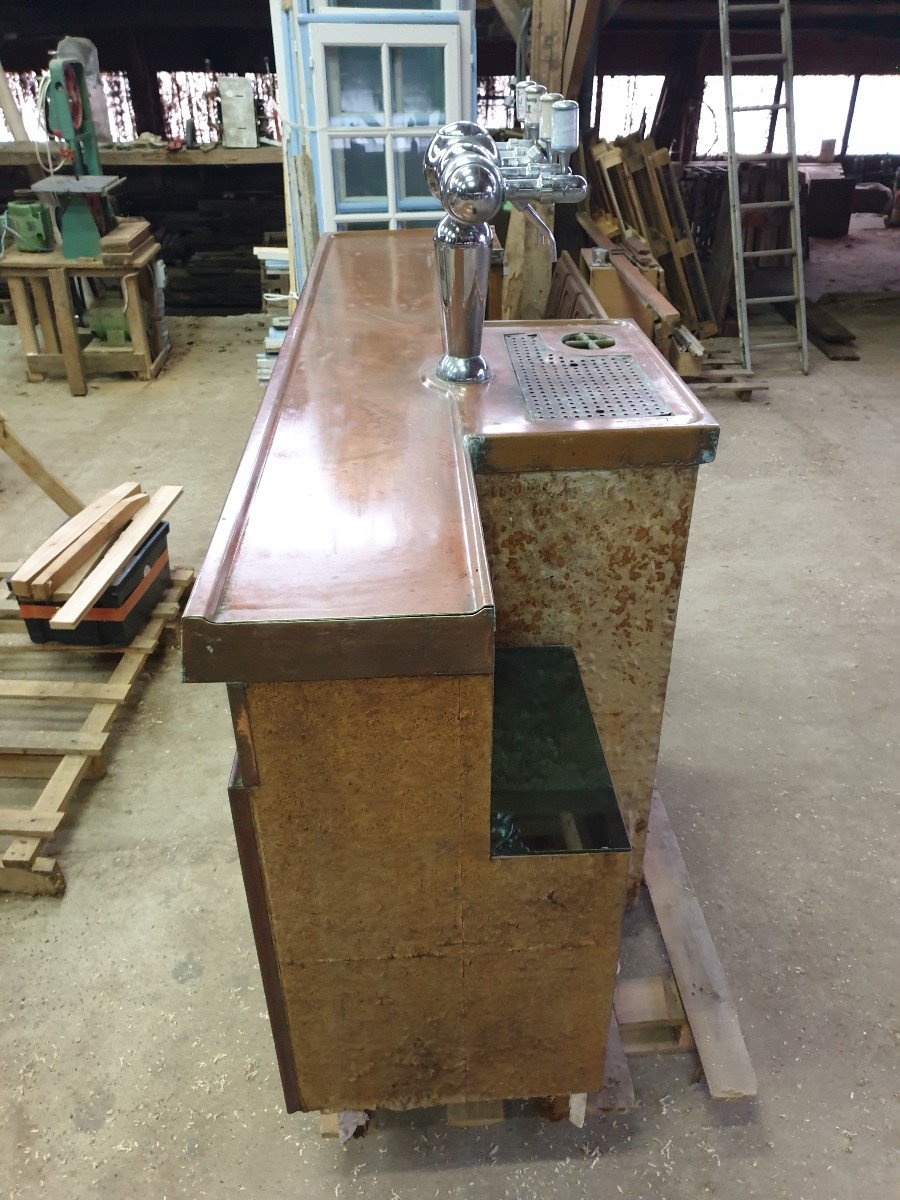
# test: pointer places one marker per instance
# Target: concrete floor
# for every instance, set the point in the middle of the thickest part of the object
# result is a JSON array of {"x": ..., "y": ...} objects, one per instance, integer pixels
[{"x": 135, "y": 1054}]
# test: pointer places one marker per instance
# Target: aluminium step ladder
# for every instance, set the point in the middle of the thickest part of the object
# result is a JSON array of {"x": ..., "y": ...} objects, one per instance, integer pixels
[{"x": 783, "y": 102}]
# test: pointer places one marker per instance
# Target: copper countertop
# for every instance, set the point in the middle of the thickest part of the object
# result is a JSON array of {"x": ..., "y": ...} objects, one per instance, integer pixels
[{"x": 350, "y": 542}]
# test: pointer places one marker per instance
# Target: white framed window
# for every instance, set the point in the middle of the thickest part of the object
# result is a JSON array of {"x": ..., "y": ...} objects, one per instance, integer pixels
[{"x": 380, "y": 91}]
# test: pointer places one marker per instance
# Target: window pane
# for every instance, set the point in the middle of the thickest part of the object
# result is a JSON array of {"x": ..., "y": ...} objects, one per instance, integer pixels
[
  {"x": 875, "y": 129},
  {"x": 417, "y": 85},
  {"x": 625, "y": 101},
  {"x": 353, "y": 79},
  {"x": 412, "y": 192},
  {"x": 750, "y": 129},
  {"x": 418, "y": 222},
  {"x": 820, "y": 112},
  {"x": 346, "y": 226},
  {"x": 360, "y": 177}
]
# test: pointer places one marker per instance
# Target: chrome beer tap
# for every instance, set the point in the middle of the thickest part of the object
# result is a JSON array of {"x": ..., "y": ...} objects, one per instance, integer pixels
[{"x": 471, "y": 177}]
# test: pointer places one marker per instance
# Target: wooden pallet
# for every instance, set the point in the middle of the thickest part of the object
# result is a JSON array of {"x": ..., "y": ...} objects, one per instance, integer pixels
[
  {"x": 62, "y": 757},
  {"x": 639, "y": 183},
  {"x": 686, "y": 1009},
  {"x": 723, "y": 373}
]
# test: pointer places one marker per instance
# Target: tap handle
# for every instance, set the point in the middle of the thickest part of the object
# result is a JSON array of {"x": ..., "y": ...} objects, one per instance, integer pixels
[{"x": 545, "y": 233}]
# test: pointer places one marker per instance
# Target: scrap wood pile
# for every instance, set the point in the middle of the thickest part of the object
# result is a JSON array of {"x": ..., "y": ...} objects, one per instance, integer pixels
[
  {"x": 638, "y": 212},
  {"x": 61, "y": 583},
  {"x": 101, "y": 585}
]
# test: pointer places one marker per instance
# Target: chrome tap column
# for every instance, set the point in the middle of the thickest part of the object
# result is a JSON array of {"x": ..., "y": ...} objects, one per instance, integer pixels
[{"x": 465, "y": 172}]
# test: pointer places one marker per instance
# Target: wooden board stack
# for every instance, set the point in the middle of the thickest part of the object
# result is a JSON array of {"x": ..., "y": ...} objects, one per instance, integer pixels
[{"x": 78, "y": 562}]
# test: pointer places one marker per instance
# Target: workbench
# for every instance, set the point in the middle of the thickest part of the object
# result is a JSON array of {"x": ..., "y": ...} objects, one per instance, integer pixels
[
  {"x": 51, "y": 339},
  {"x": 399, "y": 563}
]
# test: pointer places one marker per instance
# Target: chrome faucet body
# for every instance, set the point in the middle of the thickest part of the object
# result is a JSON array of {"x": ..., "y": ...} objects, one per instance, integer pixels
[{"x": 472, "y": 177}]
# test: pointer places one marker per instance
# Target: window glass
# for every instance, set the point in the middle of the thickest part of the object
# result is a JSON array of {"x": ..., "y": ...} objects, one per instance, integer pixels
[
  {"x": 417, "y": 85},
  {"x": 820, "y": 112},
  {"x": 412, "y": 191},
  {"x": 625, "y": 101},
  {"x": 360, "y": 176},
  {"x": 875, "y": 129},
  {"x": 750, "y": 129},
  {"x": 353, "y": 79}
]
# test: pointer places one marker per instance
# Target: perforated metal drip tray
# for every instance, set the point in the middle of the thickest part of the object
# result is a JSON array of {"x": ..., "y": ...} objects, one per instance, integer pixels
[{"x": 580, "y": 386}]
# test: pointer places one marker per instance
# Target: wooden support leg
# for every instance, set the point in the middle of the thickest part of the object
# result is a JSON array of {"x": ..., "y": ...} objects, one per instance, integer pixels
[
  {"x": 68, "y": 332},
  {"x": 41, "y": 294},
  {"x": 137, "y": 327},
  {"x": 27, "y": 335}
]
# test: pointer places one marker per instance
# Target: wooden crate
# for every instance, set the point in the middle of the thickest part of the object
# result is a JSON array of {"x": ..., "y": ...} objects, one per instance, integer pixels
[
  {"x": 62, "y": 757},
  {"x": 686, "y": 1009}
]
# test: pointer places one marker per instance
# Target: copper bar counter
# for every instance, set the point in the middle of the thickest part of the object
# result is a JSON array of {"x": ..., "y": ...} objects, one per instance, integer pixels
[{"x": 385, "y": 541}]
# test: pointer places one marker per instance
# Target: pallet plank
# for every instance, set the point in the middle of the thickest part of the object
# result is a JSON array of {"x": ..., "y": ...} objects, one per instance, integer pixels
[
  {"x": 50, "y": 741},
  {"x": 62, "y": 690},
  {"x": 701, "y": 979},
  {"x": 18, "y": 822}
]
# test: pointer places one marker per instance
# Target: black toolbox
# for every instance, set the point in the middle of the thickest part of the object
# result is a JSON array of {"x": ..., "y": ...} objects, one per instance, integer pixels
[{"x": 122, "y": 611}]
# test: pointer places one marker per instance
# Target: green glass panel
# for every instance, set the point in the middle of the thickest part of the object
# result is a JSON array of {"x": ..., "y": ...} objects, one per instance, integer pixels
[{"x": 551, "y": 792}]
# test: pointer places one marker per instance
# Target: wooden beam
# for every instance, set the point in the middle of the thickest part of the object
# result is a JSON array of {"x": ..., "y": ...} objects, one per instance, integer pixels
[
  {"x": 37, "y": 472},
  {"x": 510, "y": 12},
  {"x": 549, "y": 22},
  {"x": 702, "y": 982},
  {"x": 587, "y": 15}
]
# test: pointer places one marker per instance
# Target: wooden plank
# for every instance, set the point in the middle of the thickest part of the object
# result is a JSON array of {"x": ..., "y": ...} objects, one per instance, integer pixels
[
  {"x": 68, "y": 331},
  {"x": 43, "y": 878},
  {"x": 701, "y": 979},
  {"x": 84, "y": 547},
  {"x": 59, "y": 690},
  {"x": 617, "y": 1093},
  {"x": 836, "y": 351},
  {"x": 66, "y": 535},
  {"x": 50, "y": 741},
  {"x": 96, "y": 583},
  {"x": 62, "y": 593},
  {"x": 472, "y": 1114},
  {"x": 37, "y": 472},
  {"x": 62, "y": 785},
  {"x": 16, "y": 822}
]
